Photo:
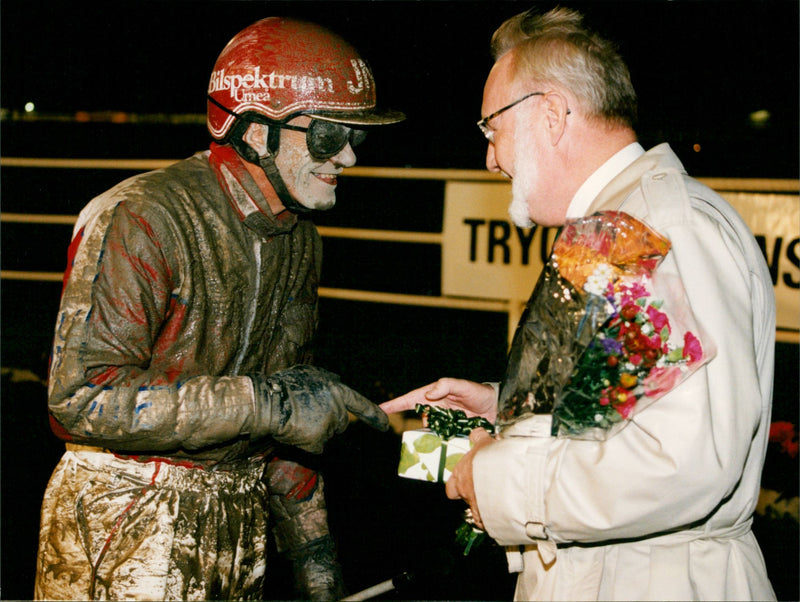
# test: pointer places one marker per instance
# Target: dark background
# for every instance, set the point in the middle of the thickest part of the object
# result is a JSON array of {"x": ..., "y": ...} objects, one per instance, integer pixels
[{"x": 700, "y": 68}]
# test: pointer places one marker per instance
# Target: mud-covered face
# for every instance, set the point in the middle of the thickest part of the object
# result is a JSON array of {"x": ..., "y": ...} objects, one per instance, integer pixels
[{"x": 310, "y": 181}]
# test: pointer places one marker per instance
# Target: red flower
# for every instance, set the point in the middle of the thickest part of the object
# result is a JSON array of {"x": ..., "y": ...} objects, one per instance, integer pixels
[
  {"x": 651, "y": 356},
  {"x": 783, "y": 432},
  {"x": 635, "y": 341},
  {"x": 625, "y": 405},
  {"x": 629, "y": 312}
]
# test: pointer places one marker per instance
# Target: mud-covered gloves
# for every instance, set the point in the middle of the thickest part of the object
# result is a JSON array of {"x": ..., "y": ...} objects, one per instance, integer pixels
[
  {"x": 317, "y": 574},
  {"x": 305, "y": 406}
]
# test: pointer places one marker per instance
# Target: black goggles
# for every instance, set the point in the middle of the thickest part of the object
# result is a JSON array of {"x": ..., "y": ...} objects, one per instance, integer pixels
[{"x": 326, "y": 139}]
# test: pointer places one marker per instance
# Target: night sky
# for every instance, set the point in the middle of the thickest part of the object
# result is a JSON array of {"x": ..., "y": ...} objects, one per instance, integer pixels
[{"x": 700, "y": 68}]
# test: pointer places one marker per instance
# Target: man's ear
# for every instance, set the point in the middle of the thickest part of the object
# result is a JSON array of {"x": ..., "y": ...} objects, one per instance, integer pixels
[
  {"x": 256, "y": 138},
  {"x": 556, "y": 111}
]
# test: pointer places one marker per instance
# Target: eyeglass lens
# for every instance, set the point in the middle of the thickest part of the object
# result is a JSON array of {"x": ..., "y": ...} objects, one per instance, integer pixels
[{"x": 483, "y": 124}]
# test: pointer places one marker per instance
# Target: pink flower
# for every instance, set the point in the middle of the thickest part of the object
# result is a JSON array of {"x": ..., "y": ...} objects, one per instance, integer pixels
[
  {"x": 638, "y": 290},
  {"x": 633, "y": 291},
  {"x": 658, "y": 318},
  {"x": 661, "y": 380},
  {"x": 692, "y": 348}
]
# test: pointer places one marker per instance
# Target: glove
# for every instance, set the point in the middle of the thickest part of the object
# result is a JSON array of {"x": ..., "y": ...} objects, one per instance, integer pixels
[
  {"x": 317, "y": 574},
  {"x": 305, "y": 406}
]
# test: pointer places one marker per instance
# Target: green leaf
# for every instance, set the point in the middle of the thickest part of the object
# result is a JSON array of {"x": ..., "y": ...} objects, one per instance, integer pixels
[
  {"x": 407, "y": 460},
  {"x": 469, "y": 536},
  {"x": 452, "y": 460},
  {"x": 427, "y": 443},
  {"x": 675, "y": 355}
]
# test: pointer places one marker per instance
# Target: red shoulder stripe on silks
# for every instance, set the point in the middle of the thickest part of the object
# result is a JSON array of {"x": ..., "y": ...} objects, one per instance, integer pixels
[{"x": 71, "y": 252}]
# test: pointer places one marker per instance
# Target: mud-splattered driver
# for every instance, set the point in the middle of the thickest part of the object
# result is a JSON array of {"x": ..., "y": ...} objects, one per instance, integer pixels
[{"x": 181, "y": 376}]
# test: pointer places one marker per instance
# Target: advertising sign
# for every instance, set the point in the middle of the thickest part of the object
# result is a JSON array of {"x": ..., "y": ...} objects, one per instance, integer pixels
[{"x": 485, "y": 256}]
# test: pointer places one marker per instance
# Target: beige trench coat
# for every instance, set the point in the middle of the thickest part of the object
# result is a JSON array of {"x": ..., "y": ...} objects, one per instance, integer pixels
[{"x": 662, "y": 510}]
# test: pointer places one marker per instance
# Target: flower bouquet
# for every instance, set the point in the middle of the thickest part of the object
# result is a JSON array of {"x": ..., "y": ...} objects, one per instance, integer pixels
[{"x": 603, "y": 334}]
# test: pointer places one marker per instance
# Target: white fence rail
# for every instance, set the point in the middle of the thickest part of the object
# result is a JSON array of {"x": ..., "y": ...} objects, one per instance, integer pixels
[{"x": 503, "y": 306}]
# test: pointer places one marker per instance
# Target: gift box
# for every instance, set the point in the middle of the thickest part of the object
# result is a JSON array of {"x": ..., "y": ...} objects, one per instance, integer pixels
[{"x": 426, "y": 456}]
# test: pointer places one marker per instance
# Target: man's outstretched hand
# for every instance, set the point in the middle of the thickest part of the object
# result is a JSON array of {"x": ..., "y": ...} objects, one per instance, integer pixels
[{"x": 475, "y": 399}]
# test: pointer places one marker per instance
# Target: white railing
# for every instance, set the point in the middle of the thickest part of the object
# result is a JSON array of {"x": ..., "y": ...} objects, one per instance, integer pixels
[{"x": 502, "y": 306}]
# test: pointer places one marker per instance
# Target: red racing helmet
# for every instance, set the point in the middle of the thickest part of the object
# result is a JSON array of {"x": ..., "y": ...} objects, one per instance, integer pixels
[{"x": 278, "y": 68}]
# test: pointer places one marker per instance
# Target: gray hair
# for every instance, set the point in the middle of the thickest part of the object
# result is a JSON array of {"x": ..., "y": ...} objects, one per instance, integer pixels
[{"x": 556, "y": 48}]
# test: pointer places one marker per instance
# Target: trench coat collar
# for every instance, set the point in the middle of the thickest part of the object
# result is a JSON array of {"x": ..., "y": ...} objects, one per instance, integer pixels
[{"x": 621, "y": 187}]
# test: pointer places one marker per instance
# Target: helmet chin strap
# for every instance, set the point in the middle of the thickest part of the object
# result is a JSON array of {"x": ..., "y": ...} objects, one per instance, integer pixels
[{"x": 266, "y": 162}]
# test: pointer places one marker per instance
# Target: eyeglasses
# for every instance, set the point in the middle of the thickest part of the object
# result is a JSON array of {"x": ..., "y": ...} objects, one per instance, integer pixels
[
  {"x": 326, "y": 139},
  {"x": 483, "y": 124}
]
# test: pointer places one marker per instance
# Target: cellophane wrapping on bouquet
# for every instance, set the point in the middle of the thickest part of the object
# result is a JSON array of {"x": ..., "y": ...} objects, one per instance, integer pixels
[{"x": 604, "y": 334}]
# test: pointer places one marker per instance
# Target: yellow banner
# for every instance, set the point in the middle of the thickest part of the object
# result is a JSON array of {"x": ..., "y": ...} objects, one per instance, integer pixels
[{"x": 485, "y": 256}]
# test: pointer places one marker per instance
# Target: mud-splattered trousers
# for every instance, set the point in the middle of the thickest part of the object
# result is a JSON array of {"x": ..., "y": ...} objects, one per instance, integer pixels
[{"x": 180, "y": 287}]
